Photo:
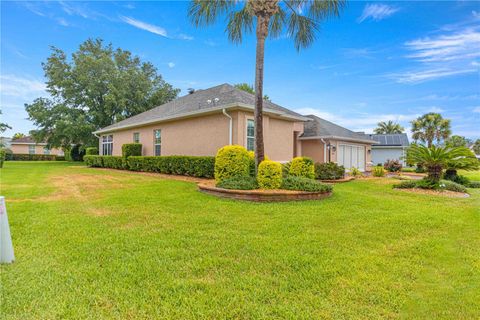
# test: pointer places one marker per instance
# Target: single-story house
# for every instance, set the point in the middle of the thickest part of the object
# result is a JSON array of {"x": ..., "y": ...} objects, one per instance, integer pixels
[
  {"x": 200, "y": 123},
  {"x": 389, "y": 147},
  {"x": 27, "y": 145}
]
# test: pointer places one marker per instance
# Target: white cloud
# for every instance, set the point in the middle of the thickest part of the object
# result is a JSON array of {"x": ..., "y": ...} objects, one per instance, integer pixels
[
  {"x": 183, "y": 36},
  {"x": 15, "y": 86},
  {"x": 171, "y": 64},
  {"x": 71, "y": 10},
  {"x": 418, "y": 76},
  {"x": 377, "y": 12},
  {"x": 145, "y": 26},
  {"x": 358, "y": 122},
  {"x": 476, "y": 109},
  {"x": 63, "y": 22}
]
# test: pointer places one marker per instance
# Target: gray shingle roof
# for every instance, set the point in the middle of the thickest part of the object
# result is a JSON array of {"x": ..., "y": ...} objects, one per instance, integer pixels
[
  {"x": 399, "y": 139},
  {"x": 319, "y": 127},
  {"x": 227, "y": 95}
]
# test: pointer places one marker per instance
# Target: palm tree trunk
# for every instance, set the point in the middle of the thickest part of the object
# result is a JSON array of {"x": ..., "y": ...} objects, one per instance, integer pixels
[{"x": 262, "y": 31}]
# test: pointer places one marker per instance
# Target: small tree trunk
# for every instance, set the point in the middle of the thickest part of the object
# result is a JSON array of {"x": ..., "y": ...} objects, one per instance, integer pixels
[
  {"x": 434, "y": 173},
  {"x": 262, "y": 31}
]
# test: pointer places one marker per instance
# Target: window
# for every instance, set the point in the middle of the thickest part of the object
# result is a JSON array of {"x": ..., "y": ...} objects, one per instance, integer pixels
[
  {"x": 250, "y": 135},
  {"x": 136, "y": 137},
  {"x": 107, "y": 145},
  {"x": 46, "y": 150},
  {"x": 157, "y": 142},
  {"x": 31, "y": 149}
]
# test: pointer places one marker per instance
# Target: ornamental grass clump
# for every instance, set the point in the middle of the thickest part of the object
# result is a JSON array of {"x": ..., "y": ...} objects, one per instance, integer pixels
[
  {"x": 269, "y": 175},
  {"x": 378, "y": 171},
  {"x": 231, "y": 161},
  {"x": 302, "y": 167}
]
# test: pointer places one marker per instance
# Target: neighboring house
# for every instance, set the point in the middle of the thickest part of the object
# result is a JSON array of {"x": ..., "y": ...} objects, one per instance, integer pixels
[
  {"x": 5, "y": 142},
  {"x": 200, "y": 123},
  {"x": 27, "y": 145},
  {"x": 389, "y": 147}
]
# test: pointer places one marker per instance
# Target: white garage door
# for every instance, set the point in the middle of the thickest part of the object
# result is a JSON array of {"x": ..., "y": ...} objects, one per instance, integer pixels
[{"x": 351, "y": 156}]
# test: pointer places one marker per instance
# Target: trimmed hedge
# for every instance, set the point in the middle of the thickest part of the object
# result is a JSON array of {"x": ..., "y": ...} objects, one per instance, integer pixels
[
  {"x": 91, "y": 151},
  {"x": 131, "y": 149},
  {"x": 302, "y": 167},
  {"x": 329, "y": 171},
  {"x": 269, "y": 175},
  {"x": 232, "y": 161},
  {"x": 305, "y": 184},
  {"x": 202, "y": 167},
  {"x": 239, "y": 183},
  {"x": 3, "y": 155},
  {"x": 93, "y": 161},
  {"x": 32, "y": 157}
]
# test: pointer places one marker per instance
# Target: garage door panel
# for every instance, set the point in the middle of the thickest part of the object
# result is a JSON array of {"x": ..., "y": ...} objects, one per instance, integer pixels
[{"x": 351, "y": 156}]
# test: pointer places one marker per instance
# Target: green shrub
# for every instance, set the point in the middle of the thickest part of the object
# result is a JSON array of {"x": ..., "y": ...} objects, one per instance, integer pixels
[
  {"x": 3, "y": 155},
  {"x": 378, "y": 171},
  {"x": 60, "y": 158},
  {"x": 302, "y": 167},
  {"x": 408, "y": 169},
  {"x": 419, "y": 169},
  {"x": 474, "y": 184},
  {"x": 269, "y": 175},
  {"x": 392, "y": 165},
  {"x": 232, "y": 161},
  {"x": 32, "y": 157},
  {"x": 91, "y": 151},
  {"x": 452, "y": 186},
  {"x": 355, "y": 172},
  {"x": 286, "y": 168},
  {"x": 114, "y": 162},
  {"x": 427, "y": 184},
  {"x": 131, "y": 149},
  {"x": 251, "y": 156},
  {"x": 239, "y": 183},
  {"x": 75, "y": 153},
  {"x": 458, "y": 179},
  {"x": 181, "y": 165},
  {"x": 305, "y": 184},
  {"x": 93, "y": 161},
  {"x": 407, "y": 184},
  {"x": 329, "y": 171}
]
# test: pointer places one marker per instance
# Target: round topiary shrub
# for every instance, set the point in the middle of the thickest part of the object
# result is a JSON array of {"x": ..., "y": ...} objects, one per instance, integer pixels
[
  {"x": 269, "y": 175},
  {"x": 302, "y": 167},
  {"x": 231, "y": 161}
]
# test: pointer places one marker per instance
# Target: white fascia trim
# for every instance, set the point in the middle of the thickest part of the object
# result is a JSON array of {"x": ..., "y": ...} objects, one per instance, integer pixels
[
  {"x": 204, "y": 111},
  {"x": 28, "y": 143},
  {"x": 340, "y": 138},
  {"x": 389, "y": 147}
]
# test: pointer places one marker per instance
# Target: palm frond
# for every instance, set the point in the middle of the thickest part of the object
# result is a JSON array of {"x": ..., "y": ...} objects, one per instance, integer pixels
[
  {"x": 277, "y": 23},
  {"x": 205, "y": 12},
  {"x": 302, "y": 29},
  {"x": 239, "y": 22}
]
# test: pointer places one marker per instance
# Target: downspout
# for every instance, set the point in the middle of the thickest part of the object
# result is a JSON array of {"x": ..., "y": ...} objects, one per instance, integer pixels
[
  {"x": 324, "y": 150},
  {"x": 230, "y": 124}
]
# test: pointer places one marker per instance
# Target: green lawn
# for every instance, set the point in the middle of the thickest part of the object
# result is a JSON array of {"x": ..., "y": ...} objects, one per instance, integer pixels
[{"x": 93, "y": 243}]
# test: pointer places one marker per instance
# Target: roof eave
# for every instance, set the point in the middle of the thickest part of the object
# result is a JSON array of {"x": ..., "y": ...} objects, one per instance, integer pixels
[
  {"x": 199, "y": 112},
  {"x": 340, "y": 138}
]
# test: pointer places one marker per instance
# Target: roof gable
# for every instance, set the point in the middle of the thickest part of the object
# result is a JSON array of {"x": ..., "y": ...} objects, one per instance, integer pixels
[{"x": 319, "y": 127}]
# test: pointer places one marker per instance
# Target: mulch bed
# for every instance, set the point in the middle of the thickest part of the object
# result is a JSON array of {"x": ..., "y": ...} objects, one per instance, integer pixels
[
  {"x": 261, "y": 195},
  {"x": 445, "y": 193}
]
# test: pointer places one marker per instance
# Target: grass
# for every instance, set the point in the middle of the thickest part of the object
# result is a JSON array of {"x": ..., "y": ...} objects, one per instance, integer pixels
[{"x": 93, "y": 243}]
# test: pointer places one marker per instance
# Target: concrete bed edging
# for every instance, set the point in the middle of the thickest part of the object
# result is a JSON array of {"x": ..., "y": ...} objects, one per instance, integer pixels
[{"x": 262, "y": 195}]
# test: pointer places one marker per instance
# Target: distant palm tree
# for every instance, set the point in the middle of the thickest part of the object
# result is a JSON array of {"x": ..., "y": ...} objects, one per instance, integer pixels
[
  {"x": 435, "y": 159},
  {"x": 388, "y": 127},
  {"x": 300, "y": 18},
  {"x": 429, "y": 127},
  {"x": 249, "y": 88}
]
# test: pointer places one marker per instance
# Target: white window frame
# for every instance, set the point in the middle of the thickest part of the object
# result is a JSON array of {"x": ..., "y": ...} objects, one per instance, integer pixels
[
  {"x": 31, "y": 149},
  {"x": 155, "y": 143},
  {"x": 136, "y": 137},
  {"x": 250, "y": 137},
  {"x": 107, "y": 145}
]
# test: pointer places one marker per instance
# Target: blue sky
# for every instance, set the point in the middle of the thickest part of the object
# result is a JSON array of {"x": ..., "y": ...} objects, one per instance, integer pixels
[{"x": 379, "y": 61}]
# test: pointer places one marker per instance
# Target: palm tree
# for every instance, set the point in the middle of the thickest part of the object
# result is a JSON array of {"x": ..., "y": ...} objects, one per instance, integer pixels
[
  {"x": 429, "y": 127},
  {"x": 300, "y": 18},
  {"x": 249, "y": 88},
  {"x": 435, "y": 159},
  {"x": 388, "y": 127}
]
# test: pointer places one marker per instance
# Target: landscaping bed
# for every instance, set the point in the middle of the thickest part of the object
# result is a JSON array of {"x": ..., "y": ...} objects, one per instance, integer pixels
[
  {"x": 260, "y": 195},
  {"x": 443, "y": 193}
]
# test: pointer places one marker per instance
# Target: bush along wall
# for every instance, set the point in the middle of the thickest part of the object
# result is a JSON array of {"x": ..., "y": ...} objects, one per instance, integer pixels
[
  {"x": 131, "y": 149},
  {"x": 34, "y": 157},
  {"x": 91, "y": 151},
  {"x": 202, "y": 167}
]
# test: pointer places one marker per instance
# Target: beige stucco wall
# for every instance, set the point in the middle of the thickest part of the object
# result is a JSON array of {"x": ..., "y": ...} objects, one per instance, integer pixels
[
  {"x": 314, "y": 149},
  {"x": 203, "y": 136},
  {"x": 24, "y": 149}
]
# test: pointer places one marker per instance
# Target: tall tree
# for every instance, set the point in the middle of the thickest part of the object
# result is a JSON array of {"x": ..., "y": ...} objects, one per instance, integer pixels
[
  {"x": 299, "y": 18},
  {"x": 388, "y": 127},
  {"x": 476, "y": 146},
  {"x": 3, "y": 126},
  {"x": 457, "y": 141},
  {"x": 429, "y": 127},
  {"x": 100, "y": 85},
  {"x": 18, "y": 135},
  {"x": 249, "y": 88}
]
